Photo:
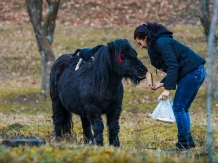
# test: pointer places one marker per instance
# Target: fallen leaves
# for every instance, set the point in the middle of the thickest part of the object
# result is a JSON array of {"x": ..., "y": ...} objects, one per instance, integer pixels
[{"x": 108, "y": 13}]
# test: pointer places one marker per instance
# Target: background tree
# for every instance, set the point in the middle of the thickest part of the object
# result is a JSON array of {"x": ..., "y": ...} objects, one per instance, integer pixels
[
  {"x": 44, "y": 32},
  {"x": 205, "y": 17},
  {"x": 212, "y": 53}
]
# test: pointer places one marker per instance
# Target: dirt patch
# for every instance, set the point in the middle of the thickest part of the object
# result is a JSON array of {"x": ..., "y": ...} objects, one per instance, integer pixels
[{"x": 29, "y": 98}]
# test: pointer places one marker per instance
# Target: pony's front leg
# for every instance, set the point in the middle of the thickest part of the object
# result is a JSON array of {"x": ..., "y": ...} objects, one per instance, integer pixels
[
  {"x": 94, "y": 115},
  {"x": 87, "y": 131},
  {"x": 113, "y": 126}
]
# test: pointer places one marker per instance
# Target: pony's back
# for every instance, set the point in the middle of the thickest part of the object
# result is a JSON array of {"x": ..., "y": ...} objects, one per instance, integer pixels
[
  {"x": 64, "y": 69},
  {"x": 59, "y": 66}
]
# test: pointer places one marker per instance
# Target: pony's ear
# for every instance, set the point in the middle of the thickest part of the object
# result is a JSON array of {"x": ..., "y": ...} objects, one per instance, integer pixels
[{"x": 110, "y": 45}]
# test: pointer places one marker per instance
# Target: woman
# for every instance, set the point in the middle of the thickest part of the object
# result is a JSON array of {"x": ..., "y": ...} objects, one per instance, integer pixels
[{"x": 184, "y": 69}]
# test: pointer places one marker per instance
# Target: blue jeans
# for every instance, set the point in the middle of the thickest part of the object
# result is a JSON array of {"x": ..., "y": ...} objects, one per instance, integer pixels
[{"x": 186, "y": 92}]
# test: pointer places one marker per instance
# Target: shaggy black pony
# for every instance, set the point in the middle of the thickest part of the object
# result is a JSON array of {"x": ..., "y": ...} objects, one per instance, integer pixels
[{"x": 94, "y": 89}]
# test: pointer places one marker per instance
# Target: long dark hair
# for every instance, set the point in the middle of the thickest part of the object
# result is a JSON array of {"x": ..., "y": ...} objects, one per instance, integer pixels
[{"x": 150, "y": 30}]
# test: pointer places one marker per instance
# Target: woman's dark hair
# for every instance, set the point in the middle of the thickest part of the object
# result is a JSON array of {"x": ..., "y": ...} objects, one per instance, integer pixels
[{"x": 150, "y": 30}]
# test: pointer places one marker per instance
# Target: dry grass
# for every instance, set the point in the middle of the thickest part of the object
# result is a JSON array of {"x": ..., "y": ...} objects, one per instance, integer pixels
[{"x": 25, "y": 114}]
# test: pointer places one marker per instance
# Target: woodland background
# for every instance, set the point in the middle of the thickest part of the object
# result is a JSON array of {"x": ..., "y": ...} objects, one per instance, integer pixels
[{"x": 109, "y": 13}]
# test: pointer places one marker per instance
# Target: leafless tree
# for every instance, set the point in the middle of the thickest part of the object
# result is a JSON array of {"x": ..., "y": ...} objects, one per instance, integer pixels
[
  {"x": 205, "y": 17},
  {"x": 44, "y": 31},
  {"x": 212, "y": 54}
]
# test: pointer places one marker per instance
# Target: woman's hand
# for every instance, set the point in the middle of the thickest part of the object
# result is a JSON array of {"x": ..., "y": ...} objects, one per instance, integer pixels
[
  {"x": 156, "y": 86},
  {"x": 165, "y": 94}
]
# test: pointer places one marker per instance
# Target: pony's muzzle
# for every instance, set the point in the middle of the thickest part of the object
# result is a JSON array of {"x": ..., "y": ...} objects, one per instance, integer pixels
[{"x": 142, "y": 70}]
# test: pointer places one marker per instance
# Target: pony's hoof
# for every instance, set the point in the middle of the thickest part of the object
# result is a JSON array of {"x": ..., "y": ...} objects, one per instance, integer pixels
[{"x": 55, "y": 139}]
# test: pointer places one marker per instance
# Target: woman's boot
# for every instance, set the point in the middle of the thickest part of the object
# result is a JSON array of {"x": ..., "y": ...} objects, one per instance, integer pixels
[{"x": 185, "y": 141}]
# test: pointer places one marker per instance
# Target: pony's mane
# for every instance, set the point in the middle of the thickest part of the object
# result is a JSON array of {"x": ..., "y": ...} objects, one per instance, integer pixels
[
  {"x": 102, "y": 64},
  {"x": 106, "y": 60}
]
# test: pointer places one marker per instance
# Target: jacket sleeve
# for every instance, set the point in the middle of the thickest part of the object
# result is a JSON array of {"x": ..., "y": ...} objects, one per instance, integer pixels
[
  {"x": 163, "y": 80},
  {"x": 165, "y": 49}
]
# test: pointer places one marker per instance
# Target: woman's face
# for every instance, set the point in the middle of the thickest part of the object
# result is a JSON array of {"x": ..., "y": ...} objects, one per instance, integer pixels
[{"x": 142, "y": 43}]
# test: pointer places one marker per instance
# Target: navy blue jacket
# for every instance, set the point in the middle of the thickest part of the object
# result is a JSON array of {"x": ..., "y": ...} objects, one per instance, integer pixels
[{"x": 172, "y": 57}]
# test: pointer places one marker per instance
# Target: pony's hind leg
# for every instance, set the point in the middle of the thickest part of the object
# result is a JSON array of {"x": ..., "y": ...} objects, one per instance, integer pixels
[
  {"x": 87, "y": 130},
  {"x": 62, "y": 119}
]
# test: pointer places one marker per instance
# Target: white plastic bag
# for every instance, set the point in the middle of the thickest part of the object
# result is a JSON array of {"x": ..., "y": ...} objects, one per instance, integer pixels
[{"x": 163, "y": 111}]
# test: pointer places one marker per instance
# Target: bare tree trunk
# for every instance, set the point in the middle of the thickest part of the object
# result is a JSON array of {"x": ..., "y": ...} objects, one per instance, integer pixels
[
  {"x": 206, "y": 22},
  {"x": 44, "y": 35},
  {"x": 215, "y": 67},
  {"x": 205, "y": 16},
  {"x": 211, "y": 57}
]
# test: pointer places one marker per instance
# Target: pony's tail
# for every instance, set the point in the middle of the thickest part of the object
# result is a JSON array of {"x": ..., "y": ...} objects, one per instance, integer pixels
[
  {"x": 77, "y": 51},
  {"x": 62, "y": 119}
]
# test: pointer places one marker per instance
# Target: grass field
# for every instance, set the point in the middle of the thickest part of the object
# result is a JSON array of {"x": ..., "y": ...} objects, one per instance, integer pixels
[{"x": 24, "y": 113}]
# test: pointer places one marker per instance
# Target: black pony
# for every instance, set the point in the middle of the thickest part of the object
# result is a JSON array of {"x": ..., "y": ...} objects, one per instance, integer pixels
[{"x": 94, "y": 89}]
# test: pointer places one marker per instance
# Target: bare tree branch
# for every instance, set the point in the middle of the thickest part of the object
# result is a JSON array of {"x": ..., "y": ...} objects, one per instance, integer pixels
[
  {"x": 34, "y": 8},
  {"x": 49, "y": 23},
  {"x": 205, "y": 16}
]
